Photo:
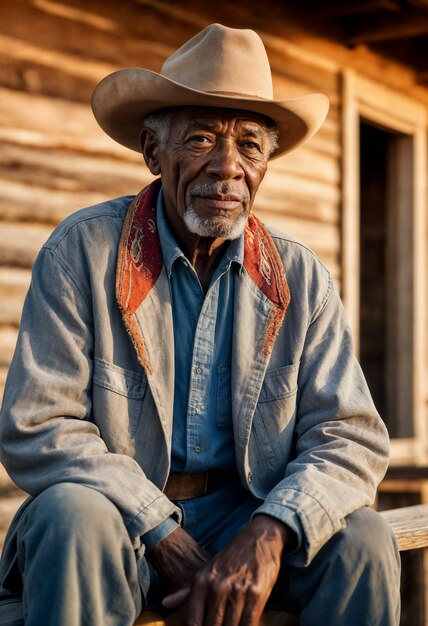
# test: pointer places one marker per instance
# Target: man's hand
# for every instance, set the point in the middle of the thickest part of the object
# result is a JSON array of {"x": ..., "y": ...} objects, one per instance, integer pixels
[
  {"x": 233, "y": 587},
  {"x": 177, "y": 558}
]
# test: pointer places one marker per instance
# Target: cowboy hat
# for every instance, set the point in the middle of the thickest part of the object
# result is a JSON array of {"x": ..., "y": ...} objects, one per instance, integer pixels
[{"x": 218, "y": 67}]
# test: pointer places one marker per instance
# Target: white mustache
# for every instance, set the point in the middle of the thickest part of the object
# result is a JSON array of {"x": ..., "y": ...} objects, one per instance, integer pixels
[{"x": 221, "y": 187}]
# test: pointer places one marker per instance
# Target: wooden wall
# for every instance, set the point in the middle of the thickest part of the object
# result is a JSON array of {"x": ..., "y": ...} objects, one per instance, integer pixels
[{"x": 54, "y": 159}]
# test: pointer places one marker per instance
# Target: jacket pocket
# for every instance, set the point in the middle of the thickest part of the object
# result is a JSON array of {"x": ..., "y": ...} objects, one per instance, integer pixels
[
  {"x": 274, "y": 419},
  {"x": 279, "y": 383},
  {"x": 118, "y": 398}
]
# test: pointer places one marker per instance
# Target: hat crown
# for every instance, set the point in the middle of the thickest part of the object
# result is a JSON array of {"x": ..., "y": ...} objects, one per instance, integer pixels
[{"x": 222, "y": 59}]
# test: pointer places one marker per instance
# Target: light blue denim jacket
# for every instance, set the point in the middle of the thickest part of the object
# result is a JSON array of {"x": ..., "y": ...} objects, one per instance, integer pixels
[{"x": 88, "y": 402}]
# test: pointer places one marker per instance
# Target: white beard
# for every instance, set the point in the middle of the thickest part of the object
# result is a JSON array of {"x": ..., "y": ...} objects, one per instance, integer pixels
[{"x": 221, "y": 227}]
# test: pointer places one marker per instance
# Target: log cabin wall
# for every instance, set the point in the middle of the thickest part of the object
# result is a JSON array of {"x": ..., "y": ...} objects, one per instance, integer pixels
[{"x": 54, "y": 159}]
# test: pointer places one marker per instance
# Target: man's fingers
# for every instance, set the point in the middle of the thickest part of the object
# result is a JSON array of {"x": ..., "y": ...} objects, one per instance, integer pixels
[
  {"x": 234, "y": 610},
  {"x": 252, "y": 611},
  {"x": 197, "y": 602},
  {"x": 176, "y": 599},
  {"x": 216, "y": 608}
]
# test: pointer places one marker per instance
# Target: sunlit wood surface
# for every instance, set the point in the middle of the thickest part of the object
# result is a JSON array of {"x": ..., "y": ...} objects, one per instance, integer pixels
[{"x": 409, "y": 525}]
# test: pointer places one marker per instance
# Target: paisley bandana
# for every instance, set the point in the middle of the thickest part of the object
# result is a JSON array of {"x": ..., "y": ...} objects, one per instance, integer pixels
[{"x": 140, "y": 264}]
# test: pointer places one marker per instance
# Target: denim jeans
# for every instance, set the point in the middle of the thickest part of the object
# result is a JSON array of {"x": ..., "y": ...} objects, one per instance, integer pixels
[{"x": 68, "y": 561}]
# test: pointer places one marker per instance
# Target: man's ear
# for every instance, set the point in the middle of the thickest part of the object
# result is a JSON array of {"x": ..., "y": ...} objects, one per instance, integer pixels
[{"x": 150, "y": 150}]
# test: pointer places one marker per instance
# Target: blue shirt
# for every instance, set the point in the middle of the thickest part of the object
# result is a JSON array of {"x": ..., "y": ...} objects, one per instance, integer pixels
[{"x": 202, "y": 436}]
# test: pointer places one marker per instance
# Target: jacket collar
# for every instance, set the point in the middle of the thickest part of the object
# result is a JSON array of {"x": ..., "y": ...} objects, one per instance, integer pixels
[{"x": 140, "y": 264}]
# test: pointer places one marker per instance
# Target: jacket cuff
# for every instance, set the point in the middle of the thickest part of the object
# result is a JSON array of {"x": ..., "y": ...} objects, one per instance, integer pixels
[{"x": 158, "y": 533}]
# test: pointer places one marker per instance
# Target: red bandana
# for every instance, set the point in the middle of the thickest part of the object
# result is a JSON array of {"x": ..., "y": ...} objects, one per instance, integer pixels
[{"x": 140, "y": 264}]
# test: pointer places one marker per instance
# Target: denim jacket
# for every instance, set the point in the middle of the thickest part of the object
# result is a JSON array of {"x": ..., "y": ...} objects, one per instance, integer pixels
[{"x": 89, "y": 395}]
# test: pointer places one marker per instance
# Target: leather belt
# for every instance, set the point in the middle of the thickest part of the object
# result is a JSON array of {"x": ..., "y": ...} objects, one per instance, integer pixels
[{"x": 189, "y": 486}]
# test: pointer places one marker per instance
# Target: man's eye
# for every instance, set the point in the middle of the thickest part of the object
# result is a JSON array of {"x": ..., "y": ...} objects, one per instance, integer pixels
[
  {"x": 251, "y": 145},
  {"x": 201, "y": 139}
]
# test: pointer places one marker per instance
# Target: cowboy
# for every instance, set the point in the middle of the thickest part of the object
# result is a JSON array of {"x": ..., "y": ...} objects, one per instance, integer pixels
[{"x": 184, "y": 405}]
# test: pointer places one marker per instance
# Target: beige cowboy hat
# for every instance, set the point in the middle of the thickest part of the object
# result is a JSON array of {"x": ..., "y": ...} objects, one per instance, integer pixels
[{"x": 218, "y": 67}]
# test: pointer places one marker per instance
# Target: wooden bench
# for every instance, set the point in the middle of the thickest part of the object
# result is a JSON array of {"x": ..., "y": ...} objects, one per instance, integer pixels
[{"x": 409, "y": 525}]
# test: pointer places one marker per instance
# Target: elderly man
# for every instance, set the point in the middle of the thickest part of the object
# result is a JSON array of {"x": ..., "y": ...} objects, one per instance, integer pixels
[{"x": 184, "y": 405}]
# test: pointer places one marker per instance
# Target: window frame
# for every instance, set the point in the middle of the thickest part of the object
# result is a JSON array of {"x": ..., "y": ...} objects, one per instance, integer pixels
[{"x": 392, "y": 110}]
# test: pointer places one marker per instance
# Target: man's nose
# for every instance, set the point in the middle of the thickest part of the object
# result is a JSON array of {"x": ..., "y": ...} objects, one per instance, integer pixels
[{"x": 225, "y": 161}]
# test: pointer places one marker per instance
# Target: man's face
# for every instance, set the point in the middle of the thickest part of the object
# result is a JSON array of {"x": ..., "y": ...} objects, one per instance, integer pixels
[{"x": 211, "y": 168}]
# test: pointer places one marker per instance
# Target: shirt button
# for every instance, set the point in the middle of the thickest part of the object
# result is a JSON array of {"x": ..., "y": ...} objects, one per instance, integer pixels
[
  {"x": 198, "y": 409},
  {"x": 197, "y": 449},
  {"x": 199, "y": 370},
  {"x": 250, "y": 477}
]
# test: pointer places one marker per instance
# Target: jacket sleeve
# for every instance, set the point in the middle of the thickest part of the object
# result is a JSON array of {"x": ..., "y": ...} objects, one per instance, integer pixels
[
  {"x": 47, "y": 434},
  {"x": 341, "y": 443}
]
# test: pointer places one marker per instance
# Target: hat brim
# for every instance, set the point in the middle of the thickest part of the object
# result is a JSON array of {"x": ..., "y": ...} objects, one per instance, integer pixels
[{"x": 123, "y": 99}]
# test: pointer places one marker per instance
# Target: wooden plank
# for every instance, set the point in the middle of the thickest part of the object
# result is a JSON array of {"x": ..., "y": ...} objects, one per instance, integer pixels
[
  {"x": 14, "y": 281},
  {"x": 298, "y": 207},
  {"x": 301, "y": 186},
  {"x": 400, "y": 26},
  {"x": 309, "y": 163},
  {"x": 422, "y": 77},
  {"x": 10, "y": 310},
  {"x": 409, "y": 525},
  {"x": 52, "y": 140},
  {"x": 13, "y": 287},
  {"x": 403, "y": 485},
  {"x": 322, "y": 239},
  {"x": 51, "y": 122},
  {"x": 39, "y": 70},
  {"x": 420, "y": 291},
  {"x": 42, "y": 31},
  {"x": 298, "y": 69},
  {"x": 8, "y": 336},
  {"x": 23, "y": 203},
  {"x": 408, "y": 472},
  {"x": 338, "y": 7},
  {"x": 19, "y": 49},
  {"x": 20, "y": 242},
  {"x": 3, "y": 375},
  {"x": 71, "y": 171}
]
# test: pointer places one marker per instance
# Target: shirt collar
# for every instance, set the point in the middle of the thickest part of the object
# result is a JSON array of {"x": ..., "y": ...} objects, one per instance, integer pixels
[{"x": 171, "y": 251}]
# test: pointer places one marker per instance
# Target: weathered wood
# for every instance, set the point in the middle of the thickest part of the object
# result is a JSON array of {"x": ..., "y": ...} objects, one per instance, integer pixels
[
  {"x": 319, "y": 237},
  {"x": 21, "y": 202},
  {"x": 20, "y": 243},
  {"x": 10, "y": 310},
  {"x": 8, "y": 336},
  {"x": 337, "y": 7},
  {"x": 13, "y": 287},
  {"x": 52, "y": 140},
  {"x": 407, "y": 472},
  {"x": 71, "y": 171},
  {"x": 392, "y": 28},
  {"x": 324, "y": 167},
  {"x": 51, "y": 122},
  {"x": 409, "y": 525},
  {"x": 3, "y": 375}
]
